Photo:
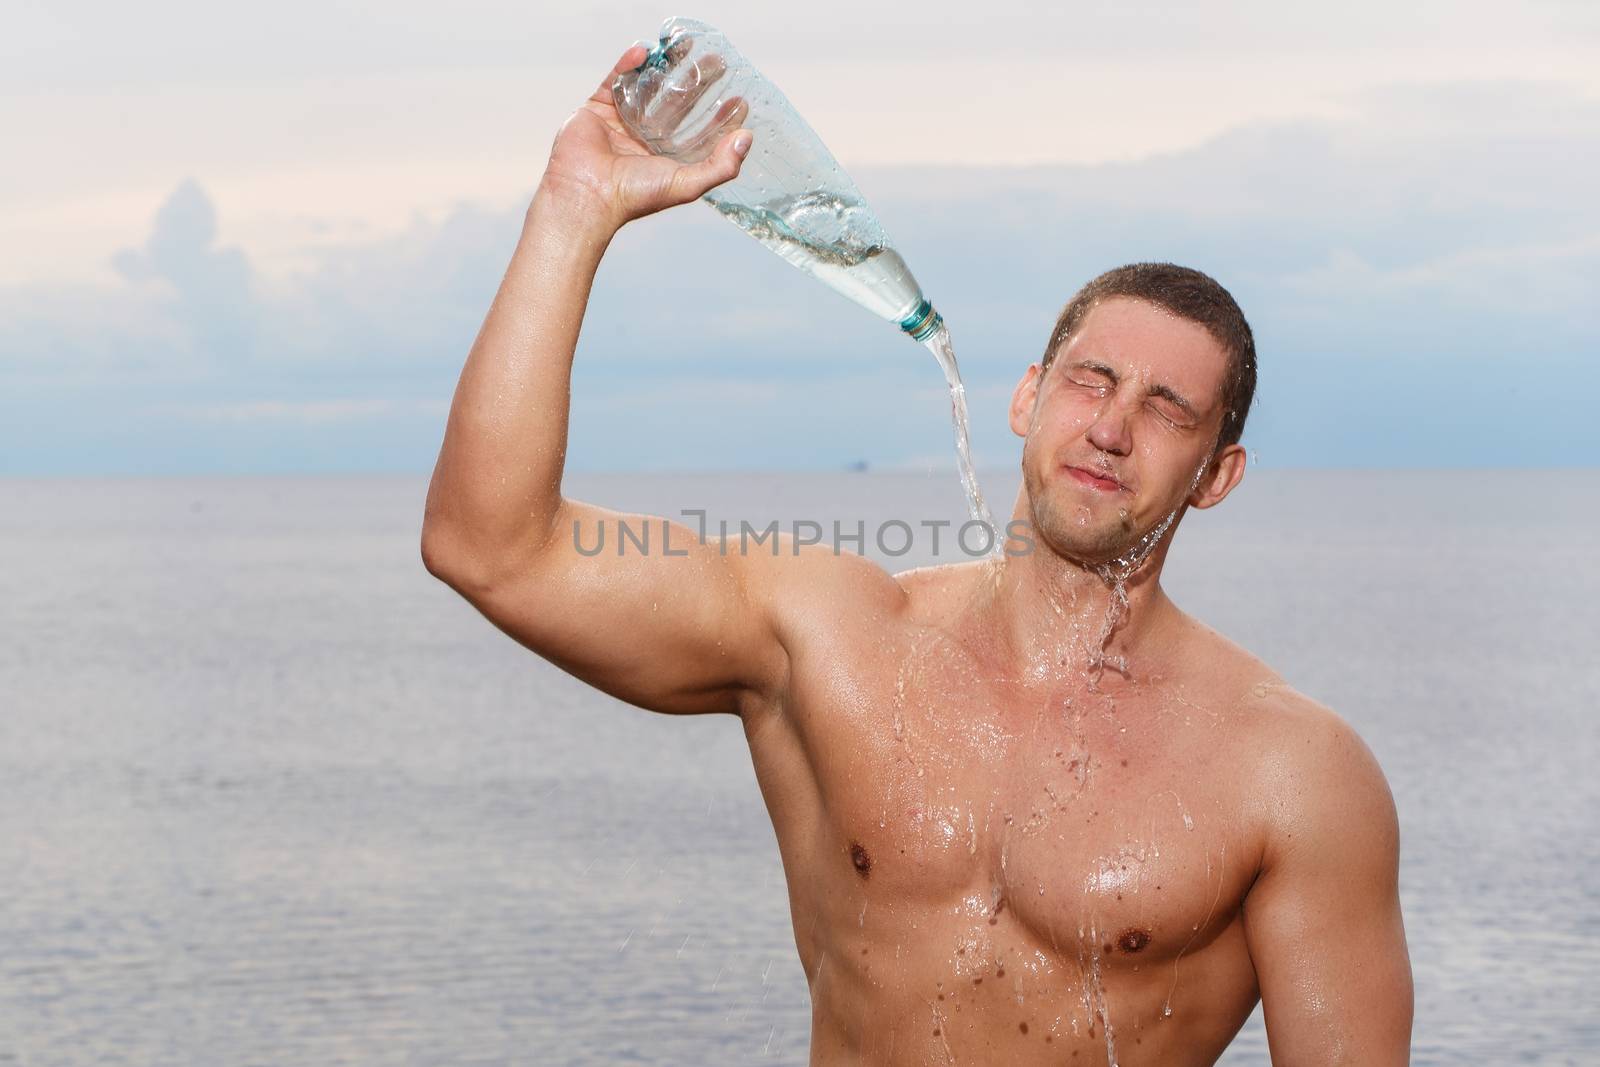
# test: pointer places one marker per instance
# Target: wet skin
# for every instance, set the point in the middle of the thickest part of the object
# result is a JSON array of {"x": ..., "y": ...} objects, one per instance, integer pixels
[{"x": 989, "y": 866}]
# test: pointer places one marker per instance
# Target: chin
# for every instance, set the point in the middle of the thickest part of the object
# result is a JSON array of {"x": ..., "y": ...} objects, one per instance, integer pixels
[
  {"x": 1098, "y": 552},
  {"x": 1085, "y": 535}
]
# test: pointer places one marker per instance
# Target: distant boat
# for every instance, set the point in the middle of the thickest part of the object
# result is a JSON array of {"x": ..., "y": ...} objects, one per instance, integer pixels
[{"x": 857, "y": 467}]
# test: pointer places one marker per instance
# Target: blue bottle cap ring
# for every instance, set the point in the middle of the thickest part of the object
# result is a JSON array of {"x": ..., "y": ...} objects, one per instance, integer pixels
[{"x": 922, "y": 323}]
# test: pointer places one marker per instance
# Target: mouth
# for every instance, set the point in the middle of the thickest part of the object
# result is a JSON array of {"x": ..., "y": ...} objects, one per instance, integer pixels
[{"x": 1094, "y": 480}]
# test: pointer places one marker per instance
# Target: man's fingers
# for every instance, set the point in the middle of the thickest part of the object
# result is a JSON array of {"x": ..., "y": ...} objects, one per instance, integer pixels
[
  {"x": 629, "y": 60},
  {"x": 680, "y": 47},
  {"x": 684, "y": 89},
  {"x": 731, "y": 115}
]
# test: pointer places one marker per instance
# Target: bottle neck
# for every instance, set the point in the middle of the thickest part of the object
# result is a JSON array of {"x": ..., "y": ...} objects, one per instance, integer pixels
[{"x": 923, "y": 322}]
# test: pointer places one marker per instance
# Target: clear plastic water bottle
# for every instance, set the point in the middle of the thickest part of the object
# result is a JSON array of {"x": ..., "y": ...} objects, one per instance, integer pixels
[{"x": 791, "y": 194}]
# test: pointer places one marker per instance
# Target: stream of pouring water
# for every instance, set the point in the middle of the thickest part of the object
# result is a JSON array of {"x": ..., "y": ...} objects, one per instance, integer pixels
[
  {"x": 833, "y": 239},
  {"x": 939, "y": 344}
]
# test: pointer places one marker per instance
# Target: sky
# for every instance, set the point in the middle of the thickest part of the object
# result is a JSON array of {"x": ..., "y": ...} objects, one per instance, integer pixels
[{"x": 264, "y": 244}]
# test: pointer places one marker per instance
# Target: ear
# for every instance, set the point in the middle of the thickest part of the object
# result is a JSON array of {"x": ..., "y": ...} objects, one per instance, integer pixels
[
  {"x": 1023, "y": 399},
  {"x": 1225, "y": 471}
]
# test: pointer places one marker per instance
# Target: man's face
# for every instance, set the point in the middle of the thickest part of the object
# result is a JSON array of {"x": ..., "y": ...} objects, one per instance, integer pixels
[{"x": 1119, "y": 430}]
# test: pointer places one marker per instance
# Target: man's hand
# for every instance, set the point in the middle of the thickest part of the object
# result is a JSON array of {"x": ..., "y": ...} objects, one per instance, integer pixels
[
  {"x": 1323, "y": 918},
  {"x": 602, "y": 168}
]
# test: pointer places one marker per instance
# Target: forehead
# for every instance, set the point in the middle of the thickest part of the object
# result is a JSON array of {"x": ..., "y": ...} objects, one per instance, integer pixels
[{"x": 1140, "y": 340}]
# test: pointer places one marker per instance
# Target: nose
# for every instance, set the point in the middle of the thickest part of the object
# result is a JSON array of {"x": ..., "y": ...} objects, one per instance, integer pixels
[{"x": 1109, "y": 430}]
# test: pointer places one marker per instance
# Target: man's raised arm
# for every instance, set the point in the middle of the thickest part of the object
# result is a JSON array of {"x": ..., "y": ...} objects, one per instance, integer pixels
[{"x": 678, "y": 633}]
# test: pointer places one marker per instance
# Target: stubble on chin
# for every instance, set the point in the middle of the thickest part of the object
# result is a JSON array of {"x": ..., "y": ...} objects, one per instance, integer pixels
[{"x": 1075, "y": 531}]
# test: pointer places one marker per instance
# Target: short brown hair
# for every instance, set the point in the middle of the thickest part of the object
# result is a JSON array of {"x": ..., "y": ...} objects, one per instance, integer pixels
[{"x": 1189, "y": 294}]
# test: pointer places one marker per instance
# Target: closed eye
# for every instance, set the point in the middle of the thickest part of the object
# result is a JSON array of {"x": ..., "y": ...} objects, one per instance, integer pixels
[{"x": 1170, "y": 415}]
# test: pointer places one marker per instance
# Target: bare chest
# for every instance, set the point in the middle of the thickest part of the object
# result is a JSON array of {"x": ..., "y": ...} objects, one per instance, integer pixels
[{"x": 1071, "y": 820}]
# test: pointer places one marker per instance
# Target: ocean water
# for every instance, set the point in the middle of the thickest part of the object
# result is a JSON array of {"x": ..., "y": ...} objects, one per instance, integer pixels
[{"x": 269, "y": 794}]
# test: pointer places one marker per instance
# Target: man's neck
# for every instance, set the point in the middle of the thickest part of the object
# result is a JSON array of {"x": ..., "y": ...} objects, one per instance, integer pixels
[{"x": 1048, "y": 612}]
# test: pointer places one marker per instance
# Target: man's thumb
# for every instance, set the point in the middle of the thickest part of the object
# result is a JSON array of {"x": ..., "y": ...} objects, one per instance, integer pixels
[{"x": 720, "y": 166}]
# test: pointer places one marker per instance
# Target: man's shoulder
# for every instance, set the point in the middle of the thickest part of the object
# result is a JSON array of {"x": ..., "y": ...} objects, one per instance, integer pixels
[
  {"x": 1305, "y": 766},
  {"x": 1314, "y": 782},
  {"x": 1303, "y": 742}
]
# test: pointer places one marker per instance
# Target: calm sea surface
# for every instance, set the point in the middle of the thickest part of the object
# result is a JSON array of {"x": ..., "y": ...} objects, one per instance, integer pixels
[{"x": 269, "y": 794}]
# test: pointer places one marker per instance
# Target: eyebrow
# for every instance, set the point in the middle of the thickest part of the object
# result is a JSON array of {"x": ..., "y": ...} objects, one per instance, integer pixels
[{"x": 1165, "y": 392}]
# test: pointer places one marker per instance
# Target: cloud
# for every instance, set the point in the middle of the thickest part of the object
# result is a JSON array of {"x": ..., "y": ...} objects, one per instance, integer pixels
[
  {"x": 1413, "y": 273},
  {"x": 212, "y": 285}
]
